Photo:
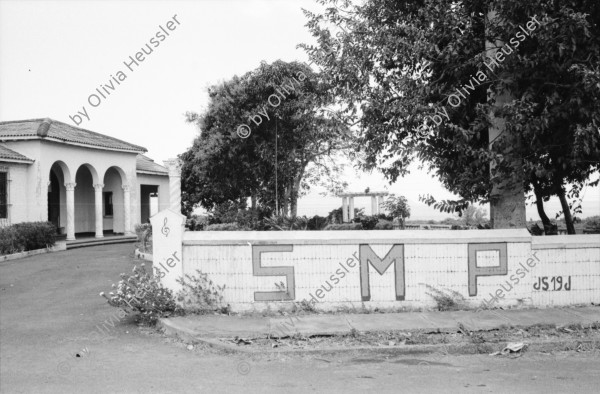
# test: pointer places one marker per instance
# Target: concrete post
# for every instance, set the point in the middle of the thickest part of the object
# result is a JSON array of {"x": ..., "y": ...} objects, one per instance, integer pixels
[
  {"x": 98, "y": 204},
  {"x": 127, "y": 208},
  {"x": 174, "y": 167},
  {"x": 70, "y": 187},
  {"x": 344, "y": 209},
  {"x": 351, "y": 213},
  {"x": 374, "y": 206}
]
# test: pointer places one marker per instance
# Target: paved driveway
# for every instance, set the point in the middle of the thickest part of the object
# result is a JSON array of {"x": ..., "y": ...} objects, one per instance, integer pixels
[{"x": 49, "y": 305}]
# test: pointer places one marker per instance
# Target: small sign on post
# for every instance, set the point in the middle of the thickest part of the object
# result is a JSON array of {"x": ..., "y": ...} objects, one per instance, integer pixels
[{"x": 167, "y": 249}]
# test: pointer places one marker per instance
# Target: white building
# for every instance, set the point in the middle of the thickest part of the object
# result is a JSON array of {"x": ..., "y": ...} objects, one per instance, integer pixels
[{"x": 84, "y": 182}]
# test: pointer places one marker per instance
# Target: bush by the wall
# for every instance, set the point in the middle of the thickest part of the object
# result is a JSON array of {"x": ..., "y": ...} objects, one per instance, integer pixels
[
  {"x": 344, "y": 226},
  {"x": 368, "y": 222},
  {"x": 26, "y": 236},
  {"x": 144, "y": 235},
  {"x": 196, "y": 222},
  {"x": 142, "y": 292},
  {"x": 224, "y": 227},
  {"x": 384, "y": 225},
  {"x": 317, "y": 222}
]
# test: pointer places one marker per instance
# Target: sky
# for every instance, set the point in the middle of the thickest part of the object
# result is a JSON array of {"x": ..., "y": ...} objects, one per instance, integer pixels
[{"x": 55, "y": 54}]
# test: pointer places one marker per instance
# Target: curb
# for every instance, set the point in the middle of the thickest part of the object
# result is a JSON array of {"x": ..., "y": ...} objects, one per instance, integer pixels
[
  {"x": 58, "y": 247},
  {"x": 444, "y": 349},
  {"x": 141, "y": 255}
]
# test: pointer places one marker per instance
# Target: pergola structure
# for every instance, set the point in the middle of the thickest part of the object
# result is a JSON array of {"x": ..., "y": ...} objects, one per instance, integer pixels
[{"x": 348, "y": 203}]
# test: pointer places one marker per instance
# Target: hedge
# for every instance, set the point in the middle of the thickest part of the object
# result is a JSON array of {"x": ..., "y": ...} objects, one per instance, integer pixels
[
  {"x": 344, "y": 226},
  {"x": 22, "y": 237},
  {"x": 225, "y": 227}
]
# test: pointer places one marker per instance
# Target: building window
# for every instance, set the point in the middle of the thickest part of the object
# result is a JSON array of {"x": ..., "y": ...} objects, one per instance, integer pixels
[
  {"x": 108, "y": 204},
  {"x": 3, "y": 195}
]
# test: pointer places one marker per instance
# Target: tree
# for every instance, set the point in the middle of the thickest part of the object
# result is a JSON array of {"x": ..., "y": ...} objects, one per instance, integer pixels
[
  {"x": 401, "y": 66},
  {"x": 397, "y": 207},
  {"x": 473, "y": 216},
  {"x": 280, "y": 103}
]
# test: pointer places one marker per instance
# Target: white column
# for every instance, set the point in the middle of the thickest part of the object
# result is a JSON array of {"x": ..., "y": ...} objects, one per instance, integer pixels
[
  {"x": 174, "y": 167},
  {"x": 127, "y": 209},
  {"x": 98, "y": 204},
  {"x": 70, "y": 210},
  {"x": 351, "y": 213},
  {"x": 344, "y": 209},
  {"x": 380, "y": 204},
  {"x": 374, "y": 206}
]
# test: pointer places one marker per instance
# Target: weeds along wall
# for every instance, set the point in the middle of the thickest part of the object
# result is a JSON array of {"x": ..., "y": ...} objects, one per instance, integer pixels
[{"x": 384, "y": 269}]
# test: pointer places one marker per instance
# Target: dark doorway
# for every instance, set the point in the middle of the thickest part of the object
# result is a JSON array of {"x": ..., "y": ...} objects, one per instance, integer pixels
[
  {"x": 145, "y": 192},
  {"x": 54, "y": 200}
]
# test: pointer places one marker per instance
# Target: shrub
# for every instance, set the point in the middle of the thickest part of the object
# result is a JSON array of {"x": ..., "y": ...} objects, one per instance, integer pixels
[
  {"x": 196, "y": 223},
  {"x": 344, "y": 226},
  {"x": 26, "y": 236},
  {"x": 144, "y": 235},
  {"x": 383, "y": 216},
  {"x": 200, "y": 295},
  {"x": 225, "y": 227},
  {"x": 384, "y": 225},
  {"x": 447, "y": 300},
  {"x": 142, "y": 292},
  {"x": 368, "y": 222},
  {"x": 285, "y": 223},
  {"x": 317, "y": 222}
]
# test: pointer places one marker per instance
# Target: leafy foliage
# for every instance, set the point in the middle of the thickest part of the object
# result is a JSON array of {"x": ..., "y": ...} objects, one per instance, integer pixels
[
  {"x": 225, "y": 227},
  {"x": 398, "y": 207},
  {"x": 446, "y": 299},
  {"x": 367, "y": 222},
  {"x": 292, "y": 131},
  {"x": 395, "y": 64},
  {"x": 200, "y": 295},
  {"x": 144, "y": 235},
  {"x": 286, "y": 223},
  {"x": 317, "y": 223},
  {"x": 344, "y": 226},
  {"x": 142, "y": 292},
  {"x": 383, "y": 224},
  {"x": 26, "y": 236}
]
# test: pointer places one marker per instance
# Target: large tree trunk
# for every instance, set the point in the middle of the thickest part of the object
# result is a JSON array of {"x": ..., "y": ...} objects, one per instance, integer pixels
[
  {"x": 286, "y": 199},
  {"x": 539, "y": 203},
  {"x": 566, "y": 211},
  {"x": 507, "y": 200},
  {"x": 294, "y": 197}
]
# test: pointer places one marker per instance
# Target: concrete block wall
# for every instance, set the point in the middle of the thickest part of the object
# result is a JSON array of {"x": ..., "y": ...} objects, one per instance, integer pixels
[{"x": 395, "y": 268}]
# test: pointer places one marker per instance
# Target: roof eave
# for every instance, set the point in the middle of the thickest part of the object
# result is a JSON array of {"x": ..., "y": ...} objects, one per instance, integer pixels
[
  {"x": 151, "y": 173},
  {"x": 21, "y": 138},
  {"x": 20, "y": 161}
]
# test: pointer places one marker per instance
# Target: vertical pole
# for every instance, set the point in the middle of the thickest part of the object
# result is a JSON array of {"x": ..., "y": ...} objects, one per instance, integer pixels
[
  {"x": 374, "y": 209},
  {"x": 98, "y": 203},
  {"x": 127, "y": 208},
  {"x": 70, "y": 210},
  {"x": 344, "y": 209},
  {"x": 351, "y": 213},
  {"x": 174, "y": 167}
]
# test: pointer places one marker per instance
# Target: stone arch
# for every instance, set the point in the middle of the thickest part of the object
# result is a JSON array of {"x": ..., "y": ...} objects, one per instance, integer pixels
[
  {"x": 59, "y": 175},
  {"x": 115, "y": 196}
]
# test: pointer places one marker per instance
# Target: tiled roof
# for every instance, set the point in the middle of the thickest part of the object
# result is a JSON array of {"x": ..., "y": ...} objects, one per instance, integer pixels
[
  {"x": 62, "y": 132},
  {"x": 8, "y": 154},
  {"x": 146, "y": 164}
]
